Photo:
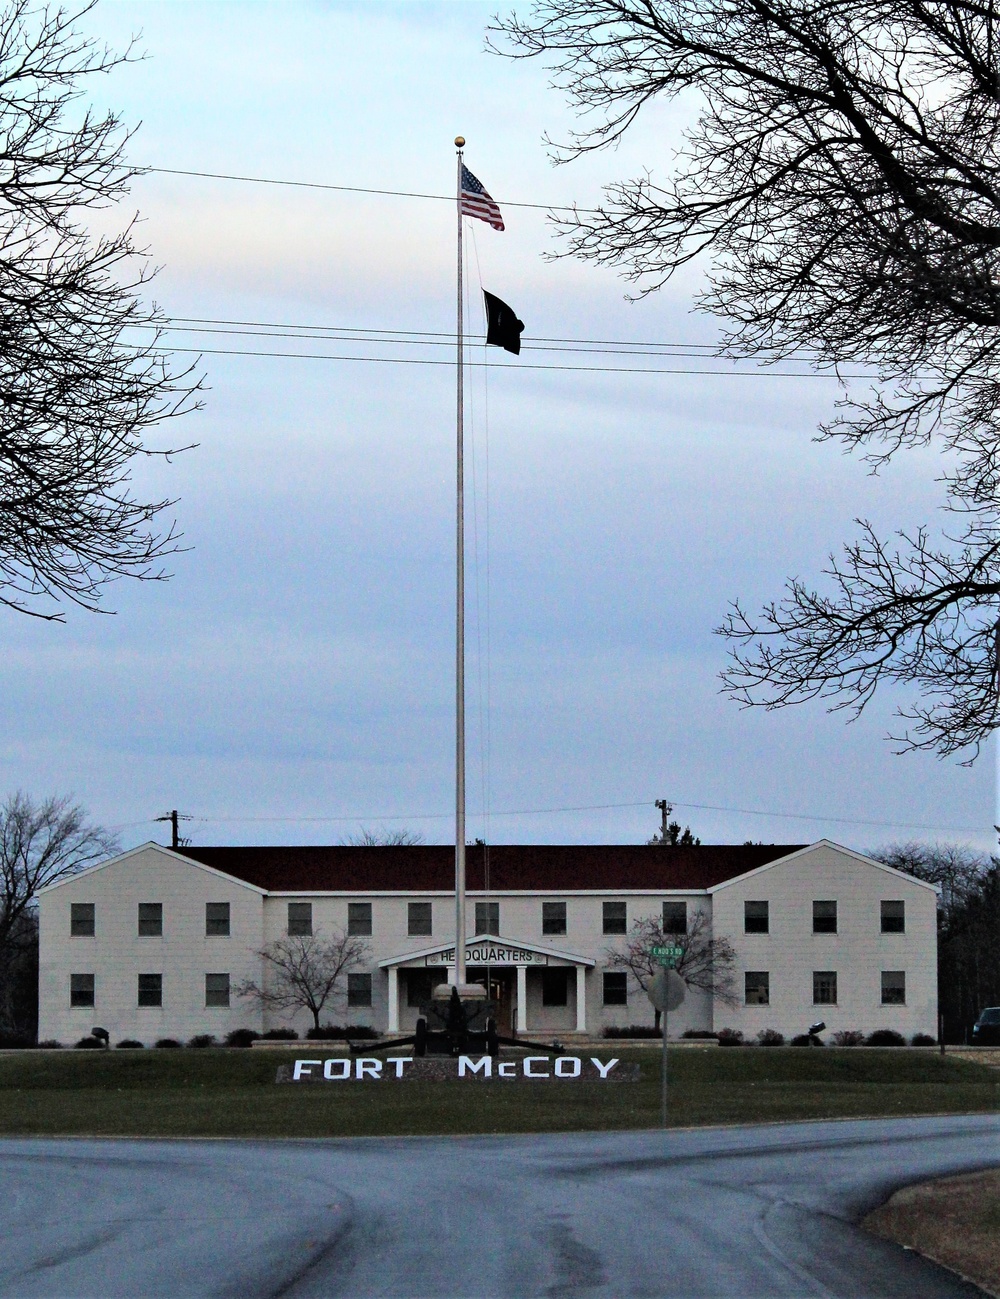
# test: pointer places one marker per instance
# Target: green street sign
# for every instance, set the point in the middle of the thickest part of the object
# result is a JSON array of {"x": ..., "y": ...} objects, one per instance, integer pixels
[{"x": 675, "y": 952}]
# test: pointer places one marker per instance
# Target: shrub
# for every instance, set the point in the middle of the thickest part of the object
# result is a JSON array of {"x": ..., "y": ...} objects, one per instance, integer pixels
[
  {"x": 923, "y": 1039},
  {"x": 241, "y": 1037},
  {"x": 848, "y": 1037},
  {"x": 129, "y": 1044},
  {"x": 805, "y": 1039},
  {"x": 341, "y": 1032},
  {"x": 730, "y": 1037},
  {"x": 885, "y": 1037},
  {"x": 700, "y": 1033},
  {"x": 50, "y": 1044},
  {"x": 202, "y": 1040},
  {"x": 770, "y": 1037},
  {"x": 167, "y": 1043},
  {"x": 632, "y": 1030},
  {"x": 279, "y": 1035},
  {"x": 89, "y": 1044}
]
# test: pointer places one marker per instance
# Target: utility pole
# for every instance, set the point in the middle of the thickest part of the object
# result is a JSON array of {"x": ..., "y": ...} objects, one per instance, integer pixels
[
  {"x": 174, "y": 817},
  {"x": 665, "y": 810}
]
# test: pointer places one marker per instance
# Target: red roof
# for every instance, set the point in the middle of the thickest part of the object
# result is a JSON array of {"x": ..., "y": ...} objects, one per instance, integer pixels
[{"x": 544, "y": 868}]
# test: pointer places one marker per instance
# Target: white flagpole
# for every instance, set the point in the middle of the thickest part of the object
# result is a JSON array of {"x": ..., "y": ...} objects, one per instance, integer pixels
[{"x": 460, "y": 626}]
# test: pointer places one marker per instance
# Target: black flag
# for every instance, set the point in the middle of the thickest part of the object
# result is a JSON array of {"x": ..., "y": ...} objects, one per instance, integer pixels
[{"x": 503, "y": 329}]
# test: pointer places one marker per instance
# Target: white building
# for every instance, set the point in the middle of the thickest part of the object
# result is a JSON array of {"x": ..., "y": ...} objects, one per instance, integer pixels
[{"x": 153, "y": 943}]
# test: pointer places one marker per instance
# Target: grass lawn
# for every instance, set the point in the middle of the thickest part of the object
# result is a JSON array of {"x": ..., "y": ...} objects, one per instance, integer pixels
[{"x": 232, "y": 1093}]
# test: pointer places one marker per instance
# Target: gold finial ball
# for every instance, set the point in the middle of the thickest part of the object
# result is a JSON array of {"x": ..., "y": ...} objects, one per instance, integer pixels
[{"x": 459, "y": 141}]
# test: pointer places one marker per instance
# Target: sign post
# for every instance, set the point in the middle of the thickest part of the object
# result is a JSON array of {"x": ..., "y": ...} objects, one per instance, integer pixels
[{"x": 666, "y": 992}]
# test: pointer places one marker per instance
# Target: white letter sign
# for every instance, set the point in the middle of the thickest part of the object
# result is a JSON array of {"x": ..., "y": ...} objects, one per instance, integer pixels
[
  {"x": 303, "y": 1067},
  {"x": 568, "y": 1066},
  {"x": 331, "y": 1066},
  {"x": 466, "y": 1064},
  {"x": 603, "y": 1069},
  {"x": 529, "y": 1060}
]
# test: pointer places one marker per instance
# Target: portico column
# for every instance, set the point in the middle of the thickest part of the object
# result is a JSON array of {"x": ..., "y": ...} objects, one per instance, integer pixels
[
  {"x": 581, "y": 999},
  {"x": 522, "y": 999},
  {"x": 393, "y": 973}
]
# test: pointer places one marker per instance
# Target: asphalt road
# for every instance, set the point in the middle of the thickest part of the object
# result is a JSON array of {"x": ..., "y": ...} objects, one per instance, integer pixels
[{"x": 721, "y": 1212}]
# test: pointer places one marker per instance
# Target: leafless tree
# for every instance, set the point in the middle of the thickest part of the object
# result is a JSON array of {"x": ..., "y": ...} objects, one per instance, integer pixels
[
  {"x": 40, "y": 844},
  {"x": 83, "y": 374},
  {"x": 383, "y": 838},
  {"x": 843, "y": 175},
  {"x": 306, "y": 973},
  {"x": 708, "y": 962}
]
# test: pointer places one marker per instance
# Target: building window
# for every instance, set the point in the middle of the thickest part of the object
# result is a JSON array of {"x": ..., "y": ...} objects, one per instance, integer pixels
[
  {"x": 824, "y": 987},
  {"x": 150, "y": 919},
  {"x": 893, "y": 987},
  {"x": 824, "y": 917},
  {"x": 555, "y": 983},
  {"x": 418, "y": 919},
  {"x": 359, "y": 919},
  {"x": 216, "y": 989},
  {"x": 217, "y": 921},
  {"x": 488, "y": 918},
  {"x": 420, "y": 984},
  {"x": 756, "y": 918},
  {"x": 553, "y": 917},
  {"x": 81, "y": 920},
  {"x": 757, "y": 985},
  {"x": 675, "y": 917},
  {"x": 81, "y": 989},
  {"x": 300, "y": 919},
  {"x": 615, "y": 918},
  {"x": 615, "y": 988},
  {"x": 893, "y": 917},
  {"x": 150, "y": 989},
  {"x": 359, "y": 989}
]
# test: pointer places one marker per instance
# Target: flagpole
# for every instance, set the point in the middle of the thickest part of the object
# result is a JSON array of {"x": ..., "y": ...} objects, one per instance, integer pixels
[{"x": 460, "y": 619}]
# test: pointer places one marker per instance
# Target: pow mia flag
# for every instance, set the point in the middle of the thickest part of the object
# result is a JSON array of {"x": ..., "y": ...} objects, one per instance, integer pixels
[{"x": 503, "y": 329}]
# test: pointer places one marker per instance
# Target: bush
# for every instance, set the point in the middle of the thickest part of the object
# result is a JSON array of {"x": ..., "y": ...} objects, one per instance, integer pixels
[
  {"x": 770, "y": 1037},
  {"x": 168, "y": 1043},
  {"x": 341, "y": 1033},
  {"x": 129, "y": 1044},
  {"x": 805, "y": 1039},
  {"x": 700, "y": 1034},
  {"x": 848, "y": 1037},
  {"x": 279, "y": 1035},
  {"x": 50, "y": 1044},
  {"x": 632, "y": 1030},
  {"x": 730, "y": 1037},
  {"x": 89, "y": 1044},
  {"x": 923, "y": 1039},
  {"x": 201, "y": 1040},
  {"x": 885, "y": 1037},
  {"x": 241, "y": 1037}
]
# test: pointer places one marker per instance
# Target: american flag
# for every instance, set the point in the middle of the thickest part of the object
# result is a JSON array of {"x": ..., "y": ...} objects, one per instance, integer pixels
[{"x": 475, "y": 202}]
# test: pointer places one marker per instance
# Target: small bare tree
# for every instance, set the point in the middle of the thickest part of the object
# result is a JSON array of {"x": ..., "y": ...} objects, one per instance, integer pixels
[
  {"x": 383, "y": 838},
  {"x": 305, "y": 973},
  {"x": 708, "y": 962}
]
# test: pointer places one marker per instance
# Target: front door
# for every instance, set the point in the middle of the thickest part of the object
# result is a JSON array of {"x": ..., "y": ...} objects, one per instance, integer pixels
[{"x": 500, "y": 984}]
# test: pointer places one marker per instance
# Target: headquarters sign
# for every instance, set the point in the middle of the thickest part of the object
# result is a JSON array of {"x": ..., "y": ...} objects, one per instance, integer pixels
[{"x": 489, "y": 954}]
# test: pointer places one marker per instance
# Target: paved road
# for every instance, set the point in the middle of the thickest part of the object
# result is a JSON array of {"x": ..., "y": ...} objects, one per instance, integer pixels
[{"x": 725, "y": 1212}]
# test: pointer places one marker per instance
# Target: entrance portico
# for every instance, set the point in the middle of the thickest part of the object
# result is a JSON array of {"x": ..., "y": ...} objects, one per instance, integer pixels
[{"x": 491, "y": 960}]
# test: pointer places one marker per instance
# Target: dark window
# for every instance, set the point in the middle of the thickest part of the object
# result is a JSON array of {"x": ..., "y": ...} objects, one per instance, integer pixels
[
  {"x": 300, "y": 919},
  {"x": 81, "y": 989},
  {"x": 554, "y": 985},
  {"x": 419, "y": 984},
  {"x": 553, "y": 917},
  {"x": 675, "y": 917},
  {"x": 824, "y": 917},
  {"x": 359, "y": 989},
  {"x": 81, "y": 920},
  {"x": 217, "y": 921},
  {"x": 359, "y": 919},
  {"x": 615, "y": 918},
  {"x": 615, "y": 988},
  {"x": 824, "y": 987},
  {"x": 150, "y": 919},
  {"x": 756, "y": 918},
  {"x": 488, "y": 918},
  {"x": 150, "y": 989},
  {"x": 418, "y": 919},
  {"x": 757, "y": 986},
  {"x": 893, "y": 917},
  {"x": 216, "y": 989},
  {"x": 893, "y": 987}
]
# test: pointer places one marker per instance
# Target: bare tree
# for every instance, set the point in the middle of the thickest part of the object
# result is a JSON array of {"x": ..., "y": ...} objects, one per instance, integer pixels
[
  {"x": 708, "y": 962},
  {"x": 843, "y": 175},
  {"x": 40, "y": 844},
  {"x": 383, "y": 838},
  {"x": 83, "y": 376},
  {"x": 305, "y": 973}
]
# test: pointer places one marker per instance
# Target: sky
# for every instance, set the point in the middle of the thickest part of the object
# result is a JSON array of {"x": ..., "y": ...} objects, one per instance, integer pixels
[{"x": 293, "y": 681}]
